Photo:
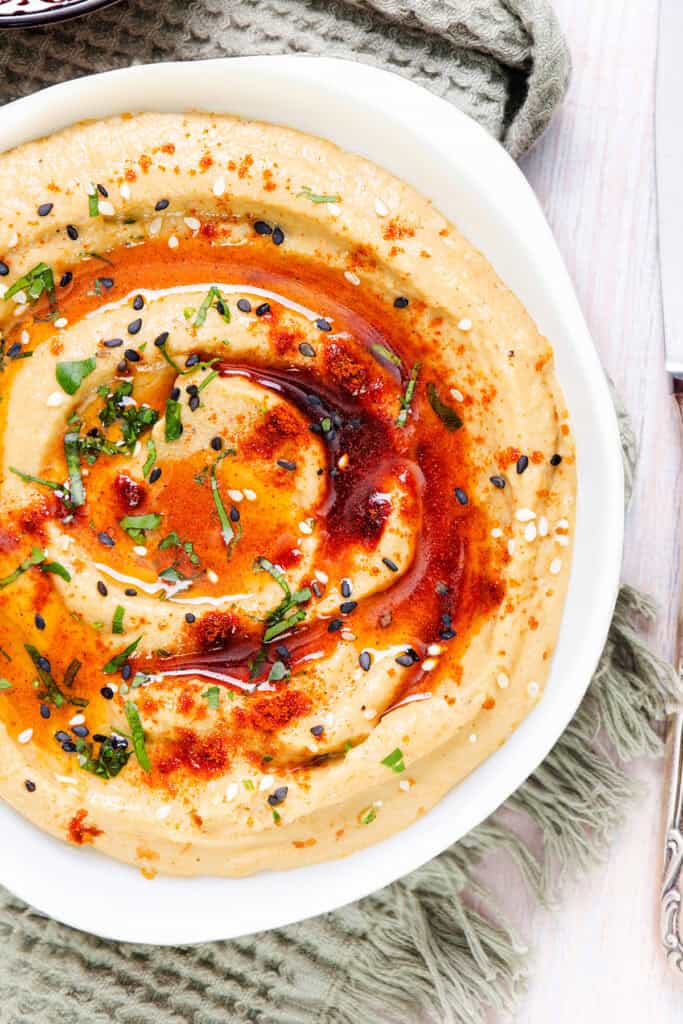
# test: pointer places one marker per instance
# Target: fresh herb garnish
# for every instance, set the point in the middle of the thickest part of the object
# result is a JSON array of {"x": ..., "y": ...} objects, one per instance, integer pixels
[
  {"x": 117, "y": 620},
  {"x": 173, "y": 427},
  {"x": 446, "y": 414},
  {"x": 173, "y": 540},
  {"x": 72, "y": 670},
  {"x": 5, "y": 684},
  {"x": 35, "y": 558},
  {"x": 278, "y": 671},
  {"x": 50, "y": 692},
  {"x": 213, "y": 697},
  {"x": 308, "y": 193},
  {"x": 215, "y": 298},
  {"x": 283, "y": 618},
  {"x": 57, "y": 569},
  {"x": 407, "y": 396},
  {"x": 73, "y": 465},
  {"x": 229, "y": 535},
  {"x": 27, "y": 478},
  {"x": 135, "y": 526},
  {"x": 394, "y": 760},
  {"x": 110, "y": 759},
  {"x": 368, "y": 816},
  {"x": 37, "y": 280},
  {"x": 93, "y": 203},
  {"x": 386, "y": 353},
  {"x": 70, "y": 375},
  {"x": 134, "y": 419},
  {"x": 120, "y": 659},
  {"x": 151, "y": 456},
  {"x": 138, "y": 735},
  {"x": 207, "y": 380}
]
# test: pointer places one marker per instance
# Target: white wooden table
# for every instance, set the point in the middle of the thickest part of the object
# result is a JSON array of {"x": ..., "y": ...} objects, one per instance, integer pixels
[{"x": 597, "y": 958}]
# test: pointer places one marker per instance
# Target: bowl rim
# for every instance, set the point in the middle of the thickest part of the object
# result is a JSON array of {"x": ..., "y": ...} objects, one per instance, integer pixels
[
  {"x": 210, "y": 908},
  {"x": 64, "y": 12}
]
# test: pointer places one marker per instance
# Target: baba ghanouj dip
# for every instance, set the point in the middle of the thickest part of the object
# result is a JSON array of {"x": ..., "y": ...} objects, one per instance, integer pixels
[{"x": 287, "y": 496}]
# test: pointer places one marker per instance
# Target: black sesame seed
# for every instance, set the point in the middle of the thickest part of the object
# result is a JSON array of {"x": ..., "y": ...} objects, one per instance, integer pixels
[
  {"x": 401, "y": 302},
  {"x": 162, "y": 204},
  {"x": 216, "y": 443},
  {"x": 14, "y": 350},
  {"x": 106, "y": 282},
  {"x": 315, "y": 587},
  {"x": 346, "y": 588},
  {"x": 154, "y": 475},
  {"x": 39, "y": 621},
  {"x": 126, "y": 671},
  {"x": 447, "y": 619},
  {"x": 132, "y": 355},
  {"x": 107, "y": 692},
  {"x": 113, "y": 343},
  {"x": 244, "y": 305},
  {"x": 61, "y": 736},
  {"x": 498, "y": 481},
  {"x": 80, "y": 730},
  {"x": 317, "y": 730},
  {"x": 460, "y": 496},
  {"x": 161, "y": 340},
  {"x": 334, "y": 625},
  {"x": 286, "y": 464},
  {"x": 119, "y": 742},
  {"x": 522, "y": 463},
  {"x": 106, "y": 539},
  {"x": 175, "y": 394},
  {"x": 234, "y": 514},
  {"x": 44, "y": 663},
  {"x": 72, "y": 232},
  {"x": 44, "y": 711},
  {"x": 404, "y": 660},
  {"x": 135, "y": 326},
  {"x": 263, "y": 309},
  {"x": 447, "y": 634},
  {"x": 323, "y": 325},
  {"x": 390, "y": 564},
  {"x": 45, "y": 208},
  {"x": 365, "y": 661},
  {"x": 190, "y": 618},
  {"x": 261, "y": 228},
  {"x": 282, "y": 652},
  {"x": 102, "y": 588},
  {"x": 4, "y": 269},
  {"x": 130, "y": 592},
  {"x": 441, "y": 589},
  {"x": 278, "y": 796},
  {"x": 192, "y": 389},
  {"x": 122, "y": 367},
  {"x": 307, "y": 350},
  {"x": 192, "y": 360},
  {"x": 138, "y": 302},
  {"x": 30, "y": 785},
  {"x": 346, "y": 607},
  {"x": 103, "y": 191},
  {"x": 278, "y": 236},
  {"x": 66, "y": 279},
  {"x": 314, "y": 400},
  {"x": 69, "y": 747},
  {"x": 98, "y": 737},
  {"x": 555, "y": 460},
  {"x": 194, "y": 402}
]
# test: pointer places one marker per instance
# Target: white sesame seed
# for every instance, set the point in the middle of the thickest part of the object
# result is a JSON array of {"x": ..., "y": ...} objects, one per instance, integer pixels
[
  {"x": 106, "y": 208},
  {"x": 154, "y": 226},
  {"x": 511, "y": 548},
  {"x": 231, "y": 791},
  {"x": 55, "y": 399},
  {"x": 457, "y": 395},
  {"x": 555, "y": 566},
  {"x": 321, "y": 576},
  {"x": 532, "y": 689},
  {"x": 235, "y": 495},
  {"x": 306, "y": 528},
  {"x": 465, "y": 324},
  {"x": 61, "y": 321},
  {"x": 266, "y": 782},
  {"x": 90, "y": 188},
  {"x": 346, "y": 634},
  {"x": 212, "y": 576},
  {"x": 114, "y": 687},
  {"x": 218, "y": 187},
  {"x": 530, "y": 531},
  {"x": 249, "y": 494},
  {"x": 65, "y": 541},
  {"x": 140, "y": 549},
  {"x": 334, "y": 209},
  {"x": 173, "y": 242},
  {"x": 562, "y": 541},
  {"x": 404, "y": 785},
  {"x": 434, "y": 649},
  {"x": 351, "y": 277},
  {"x": 163, "y": 811},
  {"x": 525, "y": 515},
  {"x": 380, "y": 208},
  {"x": 496, "y": 532},
  {"x": 124, "y": 190},
  {"x": 376, "y": 803},
  {"x": 13, "y": 240},
  {"x": 502, "y": 680},
  {"x": 25, "y": 337},
  {"x": 77, "y": 720},
  {"x": 369, "y": 713},
  {"x": 19, "y": 298},
  {"x": 428, "y": 664},
  {"x": 3, "y": 289},
  {"x": 473, "y": 737},
  {"x": 192, "y": 223},
  {"x": 343, "y": 461},
  {"x": 542, "y": 527},
  {"x": 562, "y": 524},
  {"x": 26, "y": 736}
]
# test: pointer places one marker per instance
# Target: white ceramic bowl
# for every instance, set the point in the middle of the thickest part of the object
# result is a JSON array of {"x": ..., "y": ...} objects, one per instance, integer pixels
[{"x": 471, "y": 179}]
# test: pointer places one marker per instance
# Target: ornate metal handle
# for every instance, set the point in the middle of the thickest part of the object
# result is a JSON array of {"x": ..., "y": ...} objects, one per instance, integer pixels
[{"x": 672, "y": 884}]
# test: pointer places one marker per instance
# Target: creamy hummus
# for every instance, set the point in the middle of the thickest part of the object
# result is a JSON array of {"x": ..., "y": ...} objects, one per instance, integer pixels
[{"x": 287, "y": 496}]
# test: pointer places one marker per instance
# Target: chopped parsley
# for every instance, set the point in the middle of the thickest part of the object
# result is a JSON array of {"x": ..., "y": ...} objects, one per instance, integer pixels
[
  {"x": 50, "y": 693},
  {"x": 35, "y": 558},
  {"x": 368, "y": 816},
  {"x": 230, "y": 536},
  {"x": 57, "y": 569},
  {"x": 94, "y": 203},
  {"x": 137, "y": 735},
  {"x": 5, "y": 684},
  {"x": 110, "y": 759},
  {"x": 446, "y": 414},
  {"x": 70, "y": 375},
  {"x": 27, "y": 478},
  {"x": 38, "y": 280},
  {"x": 73, "y": 465},
  {"x": 151, "y": 456},
  {"x": 120, "y": 659},
  {"x": 217, "y": 300},
  {"x": 135, "y": 526},
  {"x": 278, "y": 671},
  {"x": 117, "y": 620},
  {"x": 407, "y": 397},
  {"x": 394, "y": 760},
  {"x": 308, "y": 193},
  {"x": 386, "y": 353},
  {"x": 173, "y": 427},
  {"x": 287, "y": 614},
  {"x": 213, "y": 697},
  {"x": 132, "y": 418}
]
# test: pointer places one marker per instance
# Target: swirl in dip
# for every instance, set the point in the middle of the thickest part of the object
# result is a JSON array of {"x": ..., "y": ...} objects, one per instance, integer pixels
[{"x": 287, "y": 496}]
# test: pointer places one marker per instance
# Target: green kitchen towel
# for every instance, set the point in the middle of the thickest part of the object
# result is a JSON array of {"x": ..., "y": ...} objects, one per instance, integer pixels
[{"x": 431, "y": 947}]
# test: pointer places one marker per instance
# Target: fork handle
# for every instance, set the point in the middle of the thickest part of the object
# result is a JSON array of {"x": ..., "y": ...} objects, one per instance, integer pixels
[{"x": 672, "y": 883}]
